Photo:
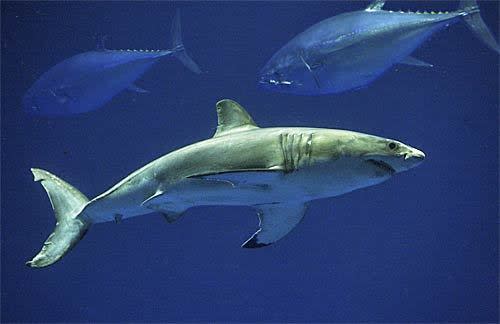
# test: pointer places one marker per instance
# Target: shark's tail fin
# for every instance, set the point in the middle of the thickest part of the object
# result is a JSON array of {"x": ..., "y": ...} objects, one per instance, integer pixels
[
  {"x": 178, "y": 46},
  {"x": 67, "y": 203},
  {"x": 473, "y": 20}
]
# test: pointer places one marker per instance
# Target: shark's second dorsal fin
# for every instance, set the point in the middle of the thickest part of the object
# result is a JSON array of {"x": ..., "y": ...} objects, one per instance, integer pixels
[
  {"x": 375, "y": 5},
  {"x": 232, "y": 117}
]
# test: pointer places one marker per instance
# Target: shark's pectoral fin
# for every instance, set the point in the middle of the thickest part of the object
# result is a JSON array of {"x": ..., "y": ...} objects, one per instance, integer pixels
[
  {"x": 276, "y": 221},
  {"x": 410, "y": 60}
]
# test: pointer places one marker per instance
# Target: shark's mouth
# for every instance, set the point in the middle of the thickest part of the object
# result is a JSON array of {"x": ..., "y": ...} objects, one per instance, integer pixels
[{"x": 382, "y": 165}]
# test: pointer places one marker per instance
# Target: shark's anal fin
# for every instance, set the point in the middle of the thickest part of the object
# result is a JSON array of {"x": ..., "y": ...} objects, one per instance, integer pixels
[
  {"x": 375, "y": 5},
  {"x": 118, "y": 218},
  {"x": 232, "y": 117},
  {"x": 170, "y": 216},
  {"x": 410, "y": 60},
  {"x": 169, "y": 212},
  {"x": 275, "y": 221}
]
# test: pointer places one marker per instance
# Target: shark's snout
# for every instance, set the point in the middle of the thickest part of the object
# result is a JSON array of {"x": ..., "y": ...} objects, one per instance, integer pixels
[
  {"x": 416, "y": 153},
  {"x": 409, "y": 160},
  {"x": 414, "y": 157}
]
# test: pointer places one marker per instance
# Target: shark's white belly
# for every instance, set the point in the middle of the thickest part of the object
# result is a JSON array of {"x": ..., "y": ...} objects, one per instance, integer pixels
[{"x": 270, "y": 187}]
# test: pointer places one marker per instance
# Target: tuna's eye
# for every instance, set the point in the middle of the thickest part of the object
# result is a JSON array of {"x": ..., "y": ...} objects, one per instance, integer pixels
[{"x": 392, "y": 145}]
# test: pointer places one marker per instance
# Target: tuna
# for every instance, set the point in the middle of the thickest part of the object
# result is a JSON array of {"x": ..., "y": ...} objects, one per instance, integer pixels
[
  {"x": 350, "y": 50},
  {"x": 89, "y": 80}
]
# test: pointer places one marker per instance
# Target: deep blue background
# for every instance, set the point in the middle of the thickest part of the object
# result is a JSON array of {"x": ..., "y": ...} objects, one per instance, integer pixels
[{"x": 420, "y": 247}]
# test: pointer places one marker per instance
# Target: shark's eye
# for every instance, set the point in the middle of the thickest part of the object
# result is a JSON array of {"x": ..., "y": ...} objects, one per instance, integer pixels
[{"x": 393, "y": 145}]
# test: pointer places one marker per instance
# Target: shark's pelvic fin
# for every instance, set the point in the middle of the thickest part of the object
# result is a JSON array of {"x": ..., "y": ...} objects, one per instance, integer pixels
[
  {"x": 275, "y": 221},
  {"x": 375, "y": 5},
  {"x": 410, "y": 60},
  {"x": 232, "y": 117}
]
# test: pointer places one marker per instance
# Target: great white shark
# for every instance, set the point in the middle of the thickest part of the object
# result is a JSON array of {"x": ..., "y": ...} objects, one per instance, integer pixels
[{"x": 277, "y": 171}]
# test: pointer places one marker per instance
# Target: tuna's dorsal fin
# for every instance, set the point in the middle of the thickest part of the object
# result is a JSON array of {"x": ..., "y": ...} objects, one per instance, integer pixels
[
  {"x": 232, "y": 117},
  {"x": 375, "y": 5}
]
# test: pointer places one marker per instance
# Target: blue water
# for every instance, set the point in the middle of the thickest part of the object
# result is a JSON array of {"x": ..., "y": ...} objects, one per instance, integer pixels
[{"x": 420, "y": 247}]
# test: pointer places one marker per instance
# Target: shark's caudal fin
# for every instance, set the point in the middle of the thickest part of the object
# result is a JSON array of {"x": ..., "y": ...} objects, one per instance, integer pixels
[
  {"x": 178, "y": 46},
  {"x": 67, "y": 203},
  {"x": 475, "y": 23}
]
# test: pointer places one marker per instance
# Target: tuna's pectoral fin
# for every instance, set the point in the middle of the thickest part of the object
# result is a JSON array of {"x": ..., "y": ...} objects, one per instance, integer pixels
[
  {"x": 135, "y": 88},
  {"x": 410, "y": 60},
  {"x": 63, "y": 94},
  {"x": 310, "y": 69},
  {"x": 276, "y": 221}
]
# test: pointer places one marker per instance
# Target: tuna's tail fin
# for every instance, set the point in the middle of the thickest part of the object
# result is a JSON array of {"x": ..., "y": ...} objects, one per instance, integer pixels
[
  {"x": 67, "y": 203},
  {"x": 178, "y": 46},
  {"x": 472, "y": 18}
]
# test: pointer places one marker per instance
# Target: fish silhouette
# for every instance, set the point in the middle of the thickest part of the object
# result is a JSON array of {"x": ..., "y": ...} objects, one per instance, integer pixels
[
  {"x": 350, "y": 50},
  {"x": 89, "y": 80}
]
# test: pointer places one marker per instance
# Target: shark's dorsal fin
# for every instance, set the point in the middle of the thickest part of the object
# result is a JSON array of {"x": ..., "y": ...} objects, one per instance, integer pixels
[
  {"x": 232, "y": 117},
  {"x": 375, "y": 5}
]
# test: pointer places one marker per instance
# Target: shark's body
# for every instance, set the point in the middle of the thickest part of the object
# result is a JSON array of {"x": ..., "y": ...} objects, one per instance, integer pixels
[
  {"x": 87, "y": 81},
  {"x": 275, "y": 170},
  {"x": 350, "y": 50}
]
